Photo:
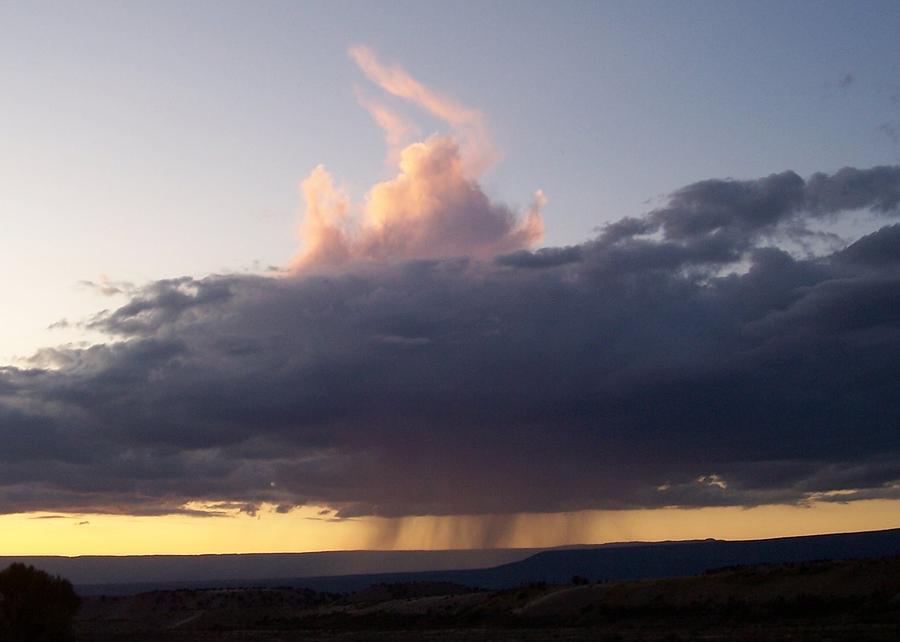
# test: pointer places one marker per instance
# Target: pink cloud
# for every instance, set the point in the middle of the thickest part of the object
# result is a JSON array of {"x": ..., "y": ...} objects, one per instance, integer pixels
[{"x": 433, "y": 208}]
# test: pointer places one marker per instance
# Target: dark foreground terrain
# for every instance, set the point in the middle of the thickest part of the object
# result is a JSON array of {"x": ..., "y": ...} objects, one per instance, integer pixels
[{"x": 827, "y": 600}]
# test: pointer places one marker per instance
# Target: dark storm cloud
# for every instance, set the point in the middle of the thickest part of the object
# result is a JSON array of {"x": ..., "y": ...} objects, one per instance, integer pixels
[
  {"x": 743, "y": 211},
  {"x": 878, "y": 250},
  {"x": 679, "y": 358}
]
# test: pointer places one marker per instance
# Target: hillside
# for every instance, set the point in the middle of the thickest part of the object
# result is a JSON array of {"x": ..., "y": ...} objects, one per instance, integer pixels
[
  {"x": 613, "y": 562},
  {"x": 827, "y": 600},
  {"x": 160, "y": 569}
]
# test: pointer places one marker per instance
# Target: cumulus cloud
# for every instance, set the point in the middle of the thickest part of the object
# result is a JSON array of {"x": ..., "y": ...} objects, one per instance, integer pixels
[
  {"x": 433, "y": 208},
  {"x": 682, "y": 357},
  {"x": 429, "y": 210}
]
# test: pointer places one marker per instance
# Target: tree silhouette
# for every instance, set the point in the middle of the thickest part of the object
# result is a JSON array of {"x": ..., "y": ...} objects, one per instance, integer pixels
[{"x": 35, "y": 606}]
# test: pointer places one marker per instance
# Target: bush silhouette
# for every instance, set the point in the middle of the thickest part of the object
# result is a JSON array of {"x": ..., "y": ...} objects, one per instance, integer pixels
[{"x": 35, "y": 606}]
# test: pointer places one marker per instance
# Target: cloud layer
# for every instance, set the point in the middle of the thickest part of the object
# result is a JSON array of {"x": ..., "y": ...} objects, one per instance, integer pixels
[{"x": 682, "y": 357}]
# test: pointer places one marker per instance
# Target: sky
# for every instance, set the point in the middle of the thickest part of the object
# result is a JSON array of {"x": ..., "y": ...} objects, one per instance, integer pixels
[{"x": 296, "y": 276}]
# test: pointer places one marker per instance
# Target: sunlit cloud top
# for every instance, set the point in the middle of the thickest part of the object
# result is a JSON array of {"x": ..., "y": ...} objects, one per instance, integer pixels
[{"x": 433, "y": 208}]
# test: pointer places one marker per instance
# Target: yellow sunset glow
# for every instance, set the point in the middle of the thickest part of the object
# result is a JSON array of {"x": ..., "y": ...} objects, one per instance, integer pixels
[{"x": 304, "y": 530}]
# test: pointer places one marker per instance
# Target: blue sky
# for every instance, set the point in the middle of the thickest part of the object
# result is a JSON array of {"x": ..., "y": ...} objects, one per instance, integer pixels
[{"x": 147, "y": 140}]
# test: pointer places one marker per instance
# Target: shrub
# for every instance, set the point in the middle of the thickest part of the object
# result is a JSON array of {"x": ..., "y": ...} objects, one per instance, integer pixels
[{"x": 35, "y": 606}]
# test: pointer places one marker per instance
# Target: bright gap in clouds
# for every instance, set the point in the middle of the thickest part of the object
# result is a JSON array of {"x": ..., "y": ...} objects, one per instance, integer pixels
[{"x": 306, "y": 530}]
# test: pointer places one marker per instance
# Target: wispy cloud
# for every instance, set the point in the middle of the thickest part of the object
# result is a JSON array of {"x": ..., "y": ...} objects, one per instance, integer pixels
[
  {"x": 398, "y": 131},
  {"x": 469, "y": 124}
]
